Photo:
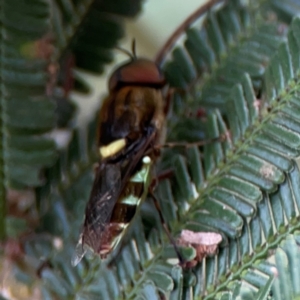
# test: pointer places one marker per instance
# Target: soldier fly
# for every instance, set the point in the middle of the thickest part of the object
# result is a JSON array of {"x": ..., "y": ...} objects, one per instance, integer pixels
[{"x": 130, "y": 125}]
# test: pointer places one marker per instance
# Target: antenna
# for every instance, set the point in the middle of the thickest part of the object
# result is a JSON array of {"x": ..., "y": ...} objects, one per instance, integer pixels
[{"x": 132, "y": 54}]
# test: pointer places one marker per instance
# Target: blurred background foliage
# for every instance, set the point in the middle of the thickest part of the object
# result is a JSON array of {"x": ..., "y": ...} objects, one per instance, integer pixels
[{"x": 235, "y": 65}]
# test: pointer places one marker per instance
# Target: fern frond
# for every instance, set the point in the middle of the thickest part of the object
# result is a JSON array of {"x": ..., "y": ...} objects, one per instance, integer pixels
[
  {"x": 89, "y": 30},
  {"x": 233, "y": 40},
  {"x": 31, "y": 106},
  {"x": 276, "y": 278},
  {"x": 286, "y": 259},
  {"x": 253, "y": 171},
  {"x": 23, "y": 84},
  {"x": 27, "y": 113}
]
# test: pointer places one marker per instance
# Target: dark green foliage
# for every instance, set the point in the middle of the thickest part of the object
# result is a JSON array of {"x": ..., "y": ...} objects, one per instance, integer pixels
[
  {"x": 242, "y": 70},
  {"x": 30, "y": 106},
  {"x": 27, "y": 113},
  {"x": 35, "y": 38},
  {"x": 286, "y": 284},
  {"x": 101, "y": 26}
]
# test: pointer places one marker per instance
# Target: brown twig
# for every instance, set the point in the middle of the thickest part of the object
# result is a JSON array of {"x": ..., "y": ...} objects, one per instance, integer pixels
[{"x": 193, "y": 17}]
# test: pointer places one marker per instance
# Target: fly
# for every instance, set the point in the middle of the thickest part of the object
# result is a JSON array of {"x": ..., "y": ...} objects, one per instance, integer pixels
[
  {"x": 130, "y": 126},
  {"x": 130, "y": 130}
]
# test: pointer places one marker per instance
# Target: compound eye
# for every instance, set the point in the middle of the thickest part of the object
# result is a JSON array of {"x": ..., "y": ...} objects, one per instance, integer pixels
[{"x": 140, "y": 72}]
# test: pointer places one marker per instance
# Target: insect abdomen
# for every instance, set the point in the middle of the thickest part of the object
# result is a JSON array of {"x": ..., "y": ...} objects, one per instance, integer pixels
[{"x": 125, "y": 209}]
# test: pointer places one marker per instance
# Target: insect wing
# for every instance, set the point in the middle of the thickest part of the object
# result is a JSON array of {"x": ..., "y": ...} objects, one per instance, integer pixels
[
  {"x": 105, "y": 192},
  {"x": 111, "y": 178}
]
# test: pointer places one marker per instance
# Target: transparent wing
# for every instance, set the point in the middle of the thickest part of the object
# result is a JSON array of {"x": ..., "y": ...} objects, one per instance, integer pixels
[
  {"x": 105, "y": 193},
  {"x": 111, "y": 178}
]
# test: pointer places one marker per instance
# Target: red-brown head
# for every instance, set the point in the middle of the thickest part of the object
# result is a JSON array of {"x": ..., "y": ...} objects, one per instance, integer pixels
[{"x": 136, "y": 72}]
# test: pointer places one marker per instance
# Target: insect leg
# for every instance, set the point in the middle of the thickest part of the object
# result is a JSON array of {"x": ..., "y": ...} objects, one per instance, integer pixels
[
  {"x": 187, "y": 145},
  {"x": 116, "y": 256},
  {"x": 161, "y": 176},
  {"x": 158, "y": 208}
]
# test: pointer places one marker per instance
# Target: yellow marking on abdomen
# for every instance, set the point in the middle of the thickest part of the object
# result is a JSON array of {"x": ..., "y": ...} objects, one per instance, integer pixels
[{"x": 112, "y": 148}]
